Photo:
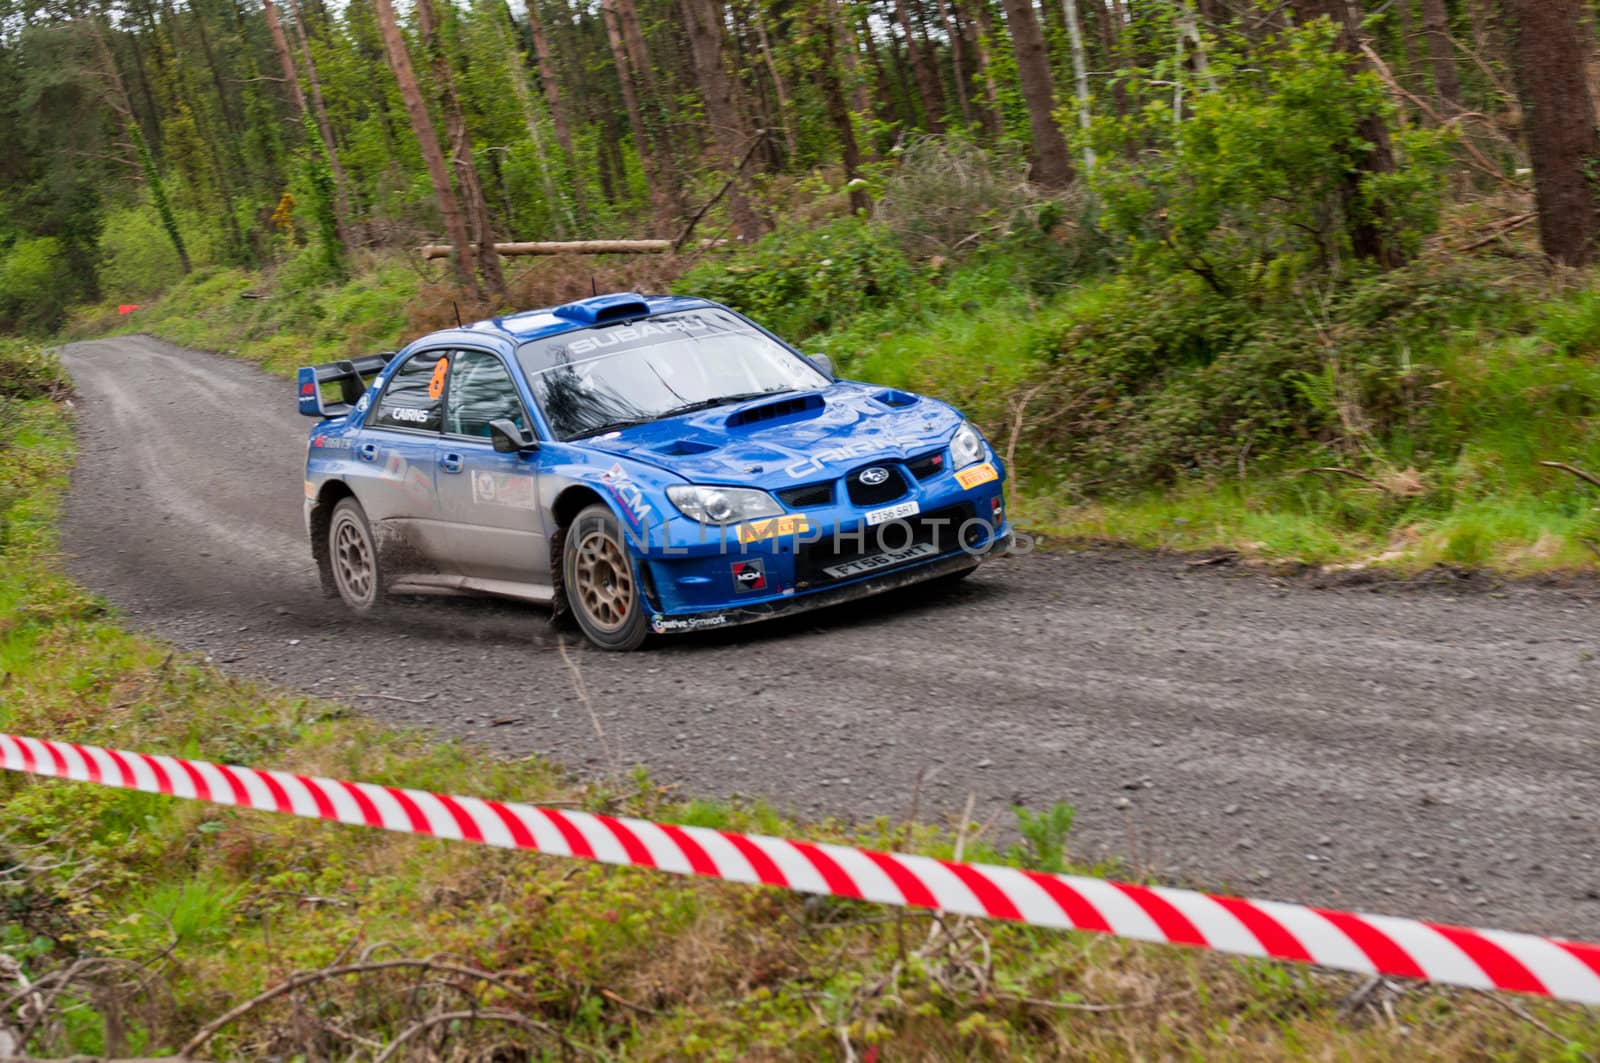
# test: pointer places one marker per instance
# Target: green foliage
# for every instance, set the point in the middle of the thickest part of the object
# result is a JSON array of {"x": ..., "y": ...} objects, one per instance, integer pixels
[
  {"x": 1045, "y": 835},
  {"x": 319, "y": 177},
  {"x": 138, "y": 261},
  {"x": 35, "y": 285},
  {"x": 27, "y": 371},
  {"x": 801, "y": 281},
  {"x": 1246, "y": 191}
]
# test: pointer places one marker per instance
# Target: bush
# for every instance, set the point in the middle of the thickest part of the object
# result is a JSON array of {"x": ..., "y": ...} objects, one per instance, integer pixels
[
  {"x": 798, "y": 282},
  {"x": 138, "y": 261},
  {"x": 36, "y": 285},
  {"x": 29, "y": 372}
]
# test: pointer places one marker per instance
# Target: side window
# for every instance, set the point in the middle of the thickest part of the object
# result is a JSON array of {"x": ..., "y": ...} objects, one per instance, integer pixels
[
  {"x": 414, "y": 396},
  {"x": 481, "y": 390}
]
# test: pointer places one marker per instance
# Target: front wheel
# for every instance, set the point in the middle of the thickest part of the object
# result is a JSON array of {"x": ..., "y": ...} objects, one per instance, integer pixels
[
  {"x": 598, "y": 576},
  {"x": 353, "y": 557}
]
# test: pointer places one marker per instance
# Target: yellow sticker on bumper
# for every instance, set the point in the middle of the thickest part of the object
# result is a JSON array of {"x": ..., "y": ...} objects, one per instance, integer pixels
[
  {"x": 776, "y": 528},
  {"x": 978, "y": 474}
]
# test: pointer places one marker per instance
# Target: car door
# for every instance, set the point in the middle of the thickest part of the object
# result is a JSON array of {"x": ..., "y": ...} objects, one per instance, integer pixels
[
  {"x": 395, "y": 454},
  {"x": 490, "y": 500}
]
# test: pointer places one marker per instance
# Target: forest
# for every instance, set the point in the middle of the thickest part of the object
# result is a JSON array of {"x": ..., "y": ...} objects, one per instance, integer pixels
[{"x": 1298, "y": 277}]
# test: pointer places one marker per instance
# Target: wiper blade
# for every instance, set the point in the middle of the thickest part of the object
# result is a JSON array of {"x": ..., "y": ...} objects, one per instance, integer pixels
[
  {"x": 614, "y": 426},
  {"x": 724, "y": 400}
]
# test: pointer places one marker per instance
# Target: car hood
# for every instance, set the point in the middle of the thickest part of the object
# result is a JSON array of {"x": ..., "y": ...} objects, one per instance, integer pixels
[{"x": 788, "y": 439}]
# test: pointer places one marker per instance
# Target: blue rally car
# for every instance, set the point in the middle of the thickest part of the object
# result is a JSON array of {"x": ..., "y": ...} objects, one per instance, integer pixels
[{"x": 655, "y": 464}]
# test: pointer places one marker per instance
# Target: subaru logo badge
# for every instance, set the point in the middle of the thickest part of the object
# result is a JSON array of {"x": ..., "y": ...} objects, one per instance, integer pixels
[{"x": 874, "y": 476}]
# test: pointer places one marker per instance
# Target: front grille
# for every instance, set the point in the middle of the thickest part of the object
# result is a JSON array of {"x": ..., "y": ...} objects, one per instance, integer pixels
[
  {"x": 946, "y": 529},
  {"x": 927, "y": 465},
  {"x": 808, "y": 496},
  {"x": 875, "y": 494}
]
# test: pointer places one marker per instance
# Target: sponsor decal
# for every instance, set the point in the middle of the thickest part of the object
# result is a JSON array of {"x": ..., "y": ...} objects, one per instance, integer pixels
[
  {"x": 661, "y": 625},
  {"x": 629, "y": 495},
  {"x": 756, "y": 531},
  {"x": 874, "y": 476},
  {"x": 410, "y": 415},
  {"x": 857, "y": 448},
  {"x": 503, "y": 489},
  {"x": 436, "y": 382},
  {"x": 308, "y": 388},
  {"x": 326, "y": 442},
  {"x": 416, "y": 483},
  {"x": 860, "y": 566},
  {"x": 749, "y": 575},
  {"x": 978, "y": 474},
  {"x": 616, "y": 335},
  {"x": 897, "y": 512}
]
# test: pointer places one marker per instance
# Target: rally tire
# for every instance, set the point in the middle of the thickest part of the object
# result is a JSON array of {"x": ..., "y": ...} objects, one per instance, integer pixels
[
  {"x": 602, "y": 588},
  {"x": 353, "y": 563}
]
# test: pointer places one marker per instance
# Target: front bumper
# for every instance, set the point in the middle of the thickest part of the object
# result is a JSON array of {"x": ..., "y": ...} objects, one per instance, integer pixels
[{"x": 768, "y": 609}]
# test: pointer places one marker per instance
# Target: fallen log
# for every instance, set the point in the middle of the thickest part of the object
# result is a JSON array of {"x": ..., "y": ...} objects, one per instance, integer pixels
[{"x": 569, "y": 247}]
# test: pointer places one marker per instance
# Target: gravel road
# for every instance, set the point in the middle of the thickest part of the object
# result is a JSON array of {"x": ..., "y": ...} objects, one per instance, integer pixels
[{"x": 1424, "y": 748}]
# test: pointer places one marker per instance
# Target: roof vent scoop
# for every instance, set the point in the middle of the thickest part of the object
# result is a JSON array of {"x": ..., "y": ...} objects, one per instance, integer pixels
[{"x": 600, "y": 309}]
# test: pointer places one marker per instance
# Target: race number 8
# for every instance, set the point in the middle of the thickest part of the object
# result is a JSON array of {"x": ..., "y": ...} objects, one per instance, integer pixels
[{"x": 436, "y": 385}]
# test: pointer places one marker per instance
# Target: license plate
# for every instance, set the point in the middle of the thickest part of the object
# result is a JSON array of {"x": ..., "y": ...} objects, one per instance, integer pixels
[
  {"x": 888, "y": 513},
  {"x": 888, "y": 559}
]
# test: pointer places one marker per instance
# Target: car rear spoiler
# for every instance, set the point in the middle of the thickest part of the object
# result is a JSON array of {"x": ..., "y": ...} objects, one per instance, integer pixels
[{"x": 351, "y": 376}]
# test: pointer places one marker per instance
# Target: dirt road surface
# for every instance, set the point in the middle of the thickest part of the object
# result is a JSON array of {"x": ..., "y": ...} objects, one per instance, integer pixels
[{"x": 1425, "y": 749}]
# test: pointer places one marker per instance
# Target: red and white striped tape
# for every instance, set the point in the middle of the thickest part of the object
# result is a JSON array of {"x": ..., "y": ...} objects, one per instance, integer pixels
[{"x": 1369, "y": 944}]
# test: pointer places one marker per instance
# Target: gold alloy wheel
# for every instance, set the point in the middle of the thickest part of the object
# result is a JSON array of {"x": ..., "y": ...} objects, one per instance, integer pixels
[
  {"x": 352, "y": 561},
  {"x": 604, "y": 581}
]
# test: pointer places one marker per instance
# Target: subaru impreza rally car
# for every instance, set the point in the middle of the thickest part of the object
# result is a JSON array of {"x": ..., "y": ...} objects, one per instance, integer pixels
[{"x": 656, "y": 464}]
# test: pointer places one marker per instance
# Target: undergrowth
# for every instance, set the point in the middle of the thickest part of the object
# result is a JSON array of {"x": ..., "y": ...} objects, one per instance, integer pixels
[{"x": 138, "y": 921}]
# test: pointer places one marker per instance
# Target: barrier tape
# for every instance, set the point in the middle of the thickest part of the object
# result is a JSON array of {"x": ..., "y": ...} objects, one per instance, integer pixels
[{"x": 1367, "y": 944}]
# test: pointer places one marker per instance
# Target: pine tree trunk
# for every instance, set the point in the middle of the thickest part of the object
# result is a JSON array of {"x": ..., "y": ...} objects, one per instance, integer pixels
[
  {"x": 922, "y": 69},
  {"x": 1111, "y": 40},
  {"x": 518, "y": 72},
  {"x": 849, "y": 48},
  {"x": 660, "y": 200},
  {"x": 1365, "y": 226},
  {"x": 280, "y": 44},
  {"x": 319, "y": 111},
  {"x": 1442, "y": 54},
  {"x": 479, "y": 224},
  {"x": 728, "y": 132},
  {"x": 993, "y": 114},
  {"x": 1052, "y": 165},
  {"x": 958, "y": 60},
  {"x": 838, "y": 110},
  {"x": 1562, "y": 142},
  {"x": 786, "y": 114},
  {"x": 558, "y": 111},
  {"x": 1080, "y": 75},
  {"x": 444, "y": 195}
]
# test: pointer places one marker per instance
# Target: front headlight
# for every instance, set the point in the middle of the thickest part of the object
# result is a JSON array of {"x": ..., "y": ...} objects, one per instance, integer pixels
[
  {"x": 723, "y": 505},
  {"x": 966, "y": 446}
]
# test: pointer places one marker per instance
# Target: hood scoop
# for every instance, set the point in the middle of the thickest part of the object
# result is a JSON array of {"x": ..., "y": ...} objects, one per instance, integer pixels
[
  {"x": 785, "y": 409},
  {"x": 896, "y": 399},
  {"x": 678, "y": 448}
]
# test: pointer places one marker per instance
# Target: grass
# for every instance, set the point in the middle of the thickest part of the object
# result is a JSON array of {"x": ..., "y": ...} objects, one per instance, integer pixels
[{"x": 169, "y": 912}]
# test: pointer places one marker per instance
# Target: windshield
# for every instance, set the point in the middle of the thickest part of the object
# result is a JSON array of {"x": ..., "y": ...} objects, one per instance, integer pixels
[{"x": 610, "y": 377}]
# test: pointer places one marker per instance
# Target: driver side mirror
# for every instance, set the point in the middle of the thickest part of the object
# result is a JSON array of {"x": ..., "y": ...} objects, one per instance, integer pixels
[
  {"x": 508, "y": 438},
  {"x": 822, "y": 362}
]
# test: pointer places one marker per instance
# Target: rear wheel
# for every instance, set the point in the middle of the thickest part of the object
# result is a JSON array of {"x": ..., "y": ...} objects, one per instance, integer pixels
[
  {"x": 597, "y": 574},
  {"x": 353, "y": 557}
]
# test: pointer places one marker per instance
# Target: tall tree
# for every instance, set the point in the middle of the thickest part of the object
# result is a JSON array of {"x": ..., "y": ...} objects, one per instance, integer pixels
[
  {"x": 923, "y": 70},
  {"x": 319, "y": 111},
  {"x": 558, "y": 108},
  {"x": 730, "y": 137},
  {"x": 479, "y": 225},
  {"x": 1052, "y": 164},
  {"x": 1562, "y": 142},
  {"x": 1370, "y": 236},
  {"x": 1080, "y": 76},
  {"x": 1442, "y": 55},
  {"x": 394, "y": 46}
]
